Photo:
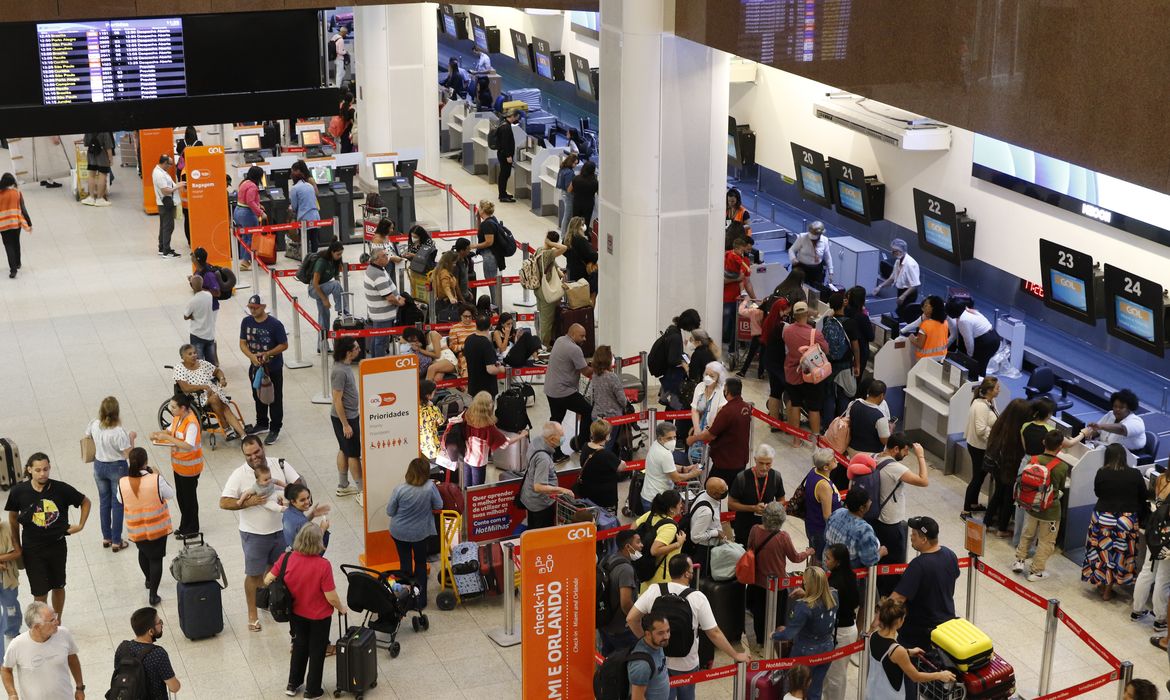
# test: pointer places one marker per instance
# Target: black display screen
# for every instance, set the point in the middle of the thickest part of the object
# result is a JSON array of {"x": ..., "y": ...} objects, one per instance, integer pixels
[
  {"x": 1070, "y": 282},
  {"x": 812, "y": 175}
]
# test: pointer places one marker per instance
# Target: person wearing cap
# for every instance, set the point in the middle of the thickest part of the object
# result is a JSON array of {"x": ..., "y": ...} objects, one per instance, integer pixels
[
  {"x": 890, "y": 526},
  {"x": 928, "y": 585},
  {"x": 802, "y": 394},
  {"x": 505, "y": 152},
  {"x": 262, "y": 340},
  {"x": 906, "y": 277},
  {"x": 810, "y": 253}
]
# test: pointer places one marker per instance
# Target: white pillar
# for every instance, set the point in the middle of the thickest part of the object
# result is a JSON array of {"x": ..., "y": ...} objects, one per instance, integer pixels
[
  {"x": 395, "y": 52},
  {"x": 664, "y": 103}
]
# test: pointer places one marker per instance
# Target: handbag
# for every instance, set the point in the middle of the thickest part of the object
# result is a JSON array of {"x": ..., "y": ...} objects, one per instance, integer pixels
[
  {"x": 839, "y": 432},
  {"x": 264, "y": 247},
  {"x": 794, "y": 507},
  {"x": 88, "y": 448},
  {"x": 577, "y": 294},
  {"x": 550, "y": 283},
  {"x": 745, "y": 568},
  {"x": 267, "y": 392},
  {"x": 276, "y": 597}
]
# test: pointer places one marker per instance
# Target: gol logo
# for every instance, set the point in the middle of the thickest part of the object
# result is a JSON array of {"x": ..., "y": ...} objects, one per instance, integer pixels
[
  {"x": 197, "y": 173},
  {"x": 579, "y": 533},
  {"x": 381, "y": 400}
]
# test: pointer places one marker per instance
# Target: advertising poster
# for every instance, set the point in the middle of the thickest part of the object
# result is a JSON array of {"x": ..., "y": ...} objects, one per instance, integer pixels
[
  {"x": 389, "y": 420},
  {"x": 207, "y": 203},
  {"x": 557, "y": 590},
  {"x": 491, "y": 515}
]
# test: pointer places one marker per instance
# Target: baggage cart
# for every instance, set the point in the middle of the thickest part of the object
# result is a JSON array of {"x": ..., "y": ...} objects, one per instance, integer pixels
[{"x": 569, "y": 510}]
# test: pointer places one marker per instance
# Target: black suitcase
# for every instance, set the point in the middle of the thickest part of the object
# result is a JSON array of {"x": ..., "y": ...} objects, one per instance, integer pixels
[
  {"x": 200, "y": 609},
  {"x": 728, "y": 602},
  {"x": 349, "y": 322},
  {"x": 512, "y": 411},
  {"x": 567, "y": 317},
  {"x": 9, "y": 463},
  {"x": 357, "y": 662}
]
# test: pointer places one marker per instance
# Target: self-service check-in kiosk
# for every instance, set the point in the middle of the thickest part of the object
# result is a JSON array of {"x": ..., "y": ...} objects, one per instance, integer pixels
[
  {"x": 344, "y": 204},
  {"x": 275, "y": 205},
  {"x": 397, "y": 194}
]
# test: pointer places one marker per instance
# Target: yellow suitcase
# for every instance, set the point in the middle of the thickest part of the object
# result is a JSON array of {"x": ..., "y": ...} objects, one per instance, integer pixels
[
  {"x": 514, "y": 104},
  {"x": 963, "y": 643}
]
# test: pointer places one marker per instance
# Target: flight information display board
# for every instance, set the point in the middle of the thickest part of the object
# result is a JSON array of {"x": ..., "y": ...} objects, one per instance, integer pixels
[{"x": 106, "y": 61}]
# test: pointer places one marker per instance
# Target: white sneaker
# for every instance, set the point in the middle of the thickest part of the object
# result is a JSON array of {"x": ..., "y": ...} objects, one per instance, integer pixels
[
  {"x": 1038, "y": 576},
  {"x": 350, "y": 490},
  {"x": 1018, "y": 567},
  {"x": 360, "y": 500},
  {"x": 88, "y": 201},
  {"x": 101, "y": 203}
]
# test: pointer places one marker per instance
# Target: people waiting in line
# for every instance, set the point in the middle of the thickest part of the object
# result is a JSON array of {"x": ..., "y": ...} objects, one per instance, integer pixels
[
  {"x": 804, "y": 394},
  {"x": 647, "y": 673},
  {"x": 754, "y": 312},
  {"x": 42, "y": 662},
  {"x": 890, "y": 525},
  {"x": 505, "y": 155},
  {"x": 668, "y": 541},
  {"x": 345, "y": 415},
  {"x": 681, "y": 571},
  {"x": 706, "y": 401},
  {"x": 325, "y": 285},
  {"x": 14, "y": 221},
  {"x": 1151, "y": 592},
  {"x": 773, "y": 550},
  {"x": 1041, "y": 522},
  {"x": 207, "y": 384},
  {"x": 10, "y": 612},
  {"x": 1041, "y": 423},
  {"x": 662, "y": 472},
  {"x": 706, "y": 513},
  {"x": 729, "y": 434},
  {"x": 112, "y": 445},
  {"x": 1121, "y": 424},
  {"x": 464, "y": 268},
  {"x": 481, "y": 437},
  {"x": 157, "y": 670},
  {"x": 459, "y": 333},
  {"x": 210, "y": 279},
  {"x": 565, "y": 174},
  {"x": 263, "y": 340},
  {"x": 980, "y": 419},
  {"x": 145, "y": 493},
  {"x": 1111, "y": 546},
  {"x": 1005, "y": 452},
  {"x": 869, "y": 427},
  {"x": 848, "y": 528},
  {"x": 489, "y": 237},
  {"x": 549, "y": 293},
  {"x": 821, "y": 498},
  {"x": 890, "y": 667},
  {"x": 301, "y": 510},
  {"x": 844, "y": 582},
  {"x": 201, "y": 315},
  {"x": 623, "y": 590},
  {"x": 844, "y": 340},
  {"x": 448, "y": 294},
  {"x": 584, "y": 187},
  {"x": 599, "y": 468},
  {"x": 481, "y": 360},
  {"x": 737, "y": 274},
  {"x": 435, "y": 359},
  {"x": 411, "y": 508},
  {"x": 905, "y": 277},
  {"x": 752, "y": 491},
  {"x": 382, "y": 300},
  {"x": 504, "y": 334},
  {"x": 247, "y": 213},
  {"x": 812, "y": 623},
  {"x": 668, "y": 361},
  {"x": 928, "y": 585},
  {"x": 855, "y": 309},
  {"x": 609, "y": 396},
  {"x": 580, "y": 257},
  {"x": 562, "y": 383},
  {"x": 541, "y": 485}
]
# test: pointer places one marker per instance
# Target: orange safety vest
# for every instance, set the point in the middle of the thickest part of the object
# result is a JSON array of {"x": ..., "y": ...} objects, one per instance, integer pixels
[
  {"x": 147, "y": 515},
  {"x": 11, "y": 217},
  {"x": 187, "y": 462},
  {"x": 936, "y": 339}
]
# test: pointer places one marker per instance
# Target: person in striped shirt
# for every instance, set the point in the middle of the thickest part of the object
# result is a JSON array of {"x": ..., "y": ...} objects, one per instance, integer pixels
[{"x": 382, "y": 299}]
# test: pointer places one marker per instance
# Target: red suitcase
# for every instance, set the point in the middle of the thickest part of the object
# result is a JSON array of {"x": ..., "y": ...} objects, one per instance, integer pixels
[
  {"x": 766, "y": 685},
  {"x": 567, "y": 317},
  {"x": 993, "y": 681}
]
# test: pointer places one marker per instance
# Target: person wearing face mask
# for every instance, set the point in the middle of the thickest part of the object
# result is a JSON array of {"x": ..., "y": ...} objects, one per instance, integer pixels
[
  {"x": 906, "y": 277},
  {"x": 661, "y": 473},
  {"x": 810, "y": 253},
  {"x": 729, "y": 434},
  {"x": 148, "y": 629},
  {"x": 705, "y": 404},
  {"x": 540, "y": 484}
]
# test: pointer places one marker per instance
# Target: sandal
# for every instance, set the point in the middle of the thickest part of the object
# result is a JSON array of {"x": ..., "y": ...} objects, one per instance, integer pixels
[
  {"x": 1157, "y": 642},
  {"x": 330, "y": 650},
  {"x": 120, "y": 546},
  {"x": 106, "y": 543},
  {"x": 254, "y": 626}
]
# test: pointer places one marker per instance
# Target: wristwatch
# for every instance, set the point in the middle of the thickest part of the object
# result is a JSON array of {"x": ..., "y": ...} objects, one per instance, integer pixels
[{"x": 81, "y": 687}]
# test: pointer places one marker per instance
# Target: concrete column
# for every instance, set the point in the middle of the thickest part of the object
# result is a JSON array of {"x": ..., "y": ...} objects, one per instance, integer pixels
[
  {"x": 396, "y": 51},
  {"x": 663, "y": 166}
]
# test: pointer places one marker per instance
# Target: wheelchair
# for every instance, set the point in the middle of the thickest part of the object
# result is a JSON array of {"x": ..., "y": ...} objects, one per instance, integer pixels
[{"x": 209, "y": 421}]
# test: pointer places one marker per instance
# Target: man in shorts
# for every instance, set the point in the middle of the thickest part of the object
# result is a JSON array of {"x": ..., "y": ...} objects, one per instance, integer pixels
[
  {"x": 345, "y": 414},
  {"x": 38, "y": 513},
  {"x": 261, "y": 530}
]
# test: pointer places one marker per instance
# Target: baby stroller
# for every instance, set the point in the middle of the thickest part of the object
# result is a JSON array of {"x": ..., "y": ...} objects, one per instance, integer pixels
[{"x": 384, "y": 600}]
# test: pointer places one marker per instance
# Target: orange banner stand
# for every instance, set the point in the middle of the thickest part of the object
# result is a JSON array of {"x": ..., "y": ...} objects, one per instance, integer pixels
[
  {"x": 558, "y": 611},
  {"x": 152, "y": 143},
  {"x": 207, "y": 203},
  {"x": 389, "y": 429}
]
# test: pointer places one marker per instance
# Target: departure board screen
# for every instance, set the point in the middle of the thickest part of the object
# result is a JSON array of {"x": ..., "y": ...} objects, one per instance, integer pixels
[{"x": 107, "y": 61}]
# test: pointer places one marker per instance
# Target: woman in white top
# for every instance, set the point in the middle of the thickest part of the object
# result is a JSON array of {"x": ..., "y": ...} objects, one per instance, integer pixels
[
  {"x": 706, "y": 402},
  {"x": 979, "y": 421},
  {"x": 977, "y": 335},
  {"x": 112, "y": 444},
  {"x": 207, "y": 383}
]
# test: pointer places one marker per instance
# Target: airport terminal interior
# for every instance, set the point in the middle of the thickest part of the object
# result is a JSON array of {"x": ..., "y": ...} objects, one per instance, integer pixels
[{"x": 674, "y": 104}]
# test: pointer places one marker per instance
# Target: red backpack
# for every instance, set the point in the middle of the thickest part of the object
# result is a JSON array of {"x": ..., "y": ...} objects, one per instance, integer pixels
[{"x": 1034, "y": 490}]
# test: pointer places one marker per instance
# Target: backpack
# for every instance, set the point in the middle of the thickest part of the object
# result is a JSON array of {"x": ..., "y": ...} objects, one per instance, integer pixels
[
  {"x": 504, "y": 241},
  {"x": 1158, "y": 531},
  {"x": 648, "y": 564},
  {"x": 611, "y": 680},
  {"x": 684, "y": 525},
  {"x": 1034, "y": 491},
  {"x": 608, "y": 599},
  {"x": 130, "y": 681},
  {"x": 333, "y": 47},
  {"x": 681, "y": 618},
  {"x": 305, "y": 271},
  {"x": 424, "y": 258},
  {"x": 512, "y": 411},
  {"x": 634, "y": 496},
  {"x": 745, "y": 568},
  {"x": 656, "y": 359},
  {"x": 493, "y": 137},
  {"x": 532, "y": 272},
  {"x": 814, "y": 365},
  {"x": 196, "y": 563},
  {"x": 872, "y": 483},
  {"x": 227, "y": 281},
  {"x": 840, "y": 430},
  {"x": 279, "y": 596},
  {"x": 834, "y": 333},
  {"x": 410, "y": 313}
]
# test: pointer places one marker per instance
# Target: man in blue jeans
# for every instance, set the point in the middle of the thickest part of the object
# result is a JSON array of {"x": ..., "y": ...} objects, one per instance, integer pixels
[
  {"x": 263, "y": 341},
  {"x": 326, "y": 284}
]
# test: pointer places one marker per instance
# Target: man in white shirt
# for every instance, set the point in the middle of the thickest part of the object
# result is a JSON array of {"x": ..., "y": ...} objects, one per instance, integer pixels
[
  {"x": 261, "y": 530},
  {"x": 810, "y": 252},
  {"x": 1122, "y": 423},
  {"x": 706, "y": 523},
  {"x": 341, "y": 63},
  {"x": 483, "y": 63},
  {"x": 42, "y": 662},
  {"x": 890, "y": 527},
  {"x": 165, "y": 191},
  {"x": 661, "y": 472},
  {"x": 905, "y": 278},
  {"x": 681, "y": 570},
  {"x": 382, "y": 299},
  {"x": 202, "y": 318}
]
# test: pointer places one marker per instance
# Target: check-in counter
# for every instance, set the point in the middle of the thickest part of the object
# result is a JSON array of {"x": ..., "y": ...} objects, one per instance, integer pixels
[
  {"x": 451, "y": 124},
  {"x": 544, "y": 187},
  {"x": 530, "y": 168},
  {"x": 937, "y": 401},
  {"x": 855, "y": 262},
  {"x": 476, "y": 154}
]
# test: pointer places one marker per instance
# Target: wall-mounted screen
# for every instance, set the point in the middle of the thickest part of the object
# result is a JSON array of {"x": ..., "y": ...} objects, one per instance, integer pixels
[
  {"x": 130, "y": 59},
  {"x": 1136, "y": 310},
  {"x": 811, "y": 175},
  {"x": 311, "y": 138},
  {"x": 1135, "y": 319},
  {"x": 520, "y": 49},
  {"x": 938, "y": 233},
  {"x": 582, "y": 76},
  {"x": 322, "y": 174},
  {"x": 585, "y": 23},
  {"x": 449, "y": 26},
  {"x": 1068, "y": 290},
  {"x": 850, "y": 197},
  {"x": 542, "y": 54},
  {"x": 479, "y": 32},
  {"x": 1072, "y": 284},
  {"x": 943, "y": 231},
  {"x": 1117, "y": 203},
  {"x": 851, "y": 191}
]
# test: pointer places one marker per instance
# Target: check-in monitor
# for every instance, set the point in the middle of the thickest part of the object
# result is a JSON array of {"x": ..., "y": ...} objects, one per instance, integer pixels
[
  {"x": 250, "y": 142},
  {"x": 1136, "y": 310},
  {"x": 311, "y": 138},
  {"x": 812, "y": 175},
  {"x": 542, "y": 53},
  {"x": 1071, "y": 282},
  {"x": 479, "y": 32},
  {"x": 582, "y": 76},
  {"x": 850, "y": 197},
  {"x": 384, "y": 170},
  {"x": 322, "y": 174},
  {"x": 520, "y": 49}
]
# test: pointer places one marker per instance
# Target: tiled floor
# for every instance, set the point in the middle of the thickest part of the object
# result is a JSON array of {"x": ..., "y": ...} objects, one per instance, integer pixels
[{"x": 94, "y": 312}]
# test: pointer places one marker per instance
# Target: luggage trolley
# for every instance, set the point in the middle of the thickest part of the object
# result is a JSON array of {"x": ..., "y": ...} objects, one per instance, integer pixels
[
  {"x": 937, "y": 690},
  {"x": 743, "y": 334},
  {"x": 569, "y": 510}
]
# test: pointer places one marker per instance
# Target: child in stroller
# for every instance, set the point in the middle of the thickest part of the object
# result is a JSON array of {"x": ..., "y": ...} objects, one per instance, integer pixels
[{"x": 385, "y": 601}]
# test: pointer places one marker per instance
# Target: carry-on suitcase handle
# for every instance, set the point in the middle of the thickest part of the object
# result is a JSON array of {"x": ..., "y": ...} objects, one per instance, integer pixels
[{"x": 188, "y": 540}]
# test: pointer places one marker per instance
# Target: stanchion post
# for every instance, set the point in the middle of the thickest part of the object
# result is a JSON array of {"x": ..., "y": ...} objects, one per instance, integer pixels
[
  {"x": 272, "y": 297},
  {"x": 771, "y": 602},
  {"x": 507, "y": 636},
  {"x": 526, "y": 299},
  {"x": 450, "y": 209},
  {"x": 644, "y": 375},
  {"x": 344, "y": 278},
  {"x": 740, "y": 688},
  {"x": 430, "y": 305},
  {"x": 498, "y": 292},
  {"x": 235, "y": 251},
  {"x": 863, "y": 666},
  {"x": 473, "y": 211},
  {"x": 1050, "y": 627},
  {"x": 298, "y": 361},
  {"x": 972, "y": 586},
  {"x": 1124, "y": 676},
  {"x": 652, "y": 417},
  {"x": 325, "y": 397},
  {"x": 304, "y": 240},
  {"x": 255, "y": 275},
  {"x": 870, "y": 604}
]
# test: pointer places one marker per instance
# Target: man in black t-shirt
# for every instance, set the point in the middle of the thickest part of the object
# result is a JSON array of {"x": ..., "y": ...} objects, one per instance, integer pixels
[
  {"x": 160, "y": 675},
  {"x": 928, "y": 586},
  {"x": 38, "y": 514},
  {"x": 480, "y": 357},
  {"x": 753, "y": 489}
]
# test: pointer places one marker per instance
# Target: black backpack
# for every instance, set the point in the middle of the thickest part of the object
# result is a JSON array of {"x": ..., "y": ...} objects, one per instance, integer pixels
[
  {"x": 333, "y": 47},
  {"x": 493, "y": 136},
  {"x": 93, "y": 144},
  {"x": 305, "y": 271},
  {"x": 648, "y": 564},
  {"x": 279, "y": 597},
  {"x": 634, "y": 496},
  {"x": 130, "y": 681},
  {"x": 409, "y": 313},
  {"x": 681, "y": 618},
  {"x": 1158, "y": 531},
  {"x": 656, "y": 359},
  {"x": 512, "y": 411},
  {"x": 684, "y": 526},
  {"x": 611, "y": 680},
  {"x": 227, "y": 282},
  {"x": 504, "y": 241},
  {"x": 609, "y": 600}
]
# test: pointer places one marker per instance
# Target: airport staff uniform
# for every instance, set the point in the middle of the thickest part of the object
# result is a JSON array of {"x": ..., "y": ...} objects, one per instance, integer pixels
[
  {"x": 980, "y": 340},
  {"x": 813, "y": 257},
  {"x": 1135, "y": 432},
  {"x": 906, "y": 276}
]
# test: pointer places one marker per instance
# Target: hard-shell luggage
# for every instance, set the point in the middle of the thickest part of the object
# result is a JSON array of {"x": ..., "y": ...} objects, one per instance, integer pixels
[
  {"x": 962, "y": 643},
  {"x": 567, "y": 317},
  {"x": 766, "y": 685},
  {"x": 348, "y": 321},
  {"x": 357, "y": 662},
  {"x": 728, "y": 601},
  {"x": 491, "y": 567},
  {"x": 200, "y": 609},
  {"x": 9, "y": 463},
  {"x": 512, "y": 411},
  {"x": 995, "y": 680},
  {"x": 510, "y": 458}
]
